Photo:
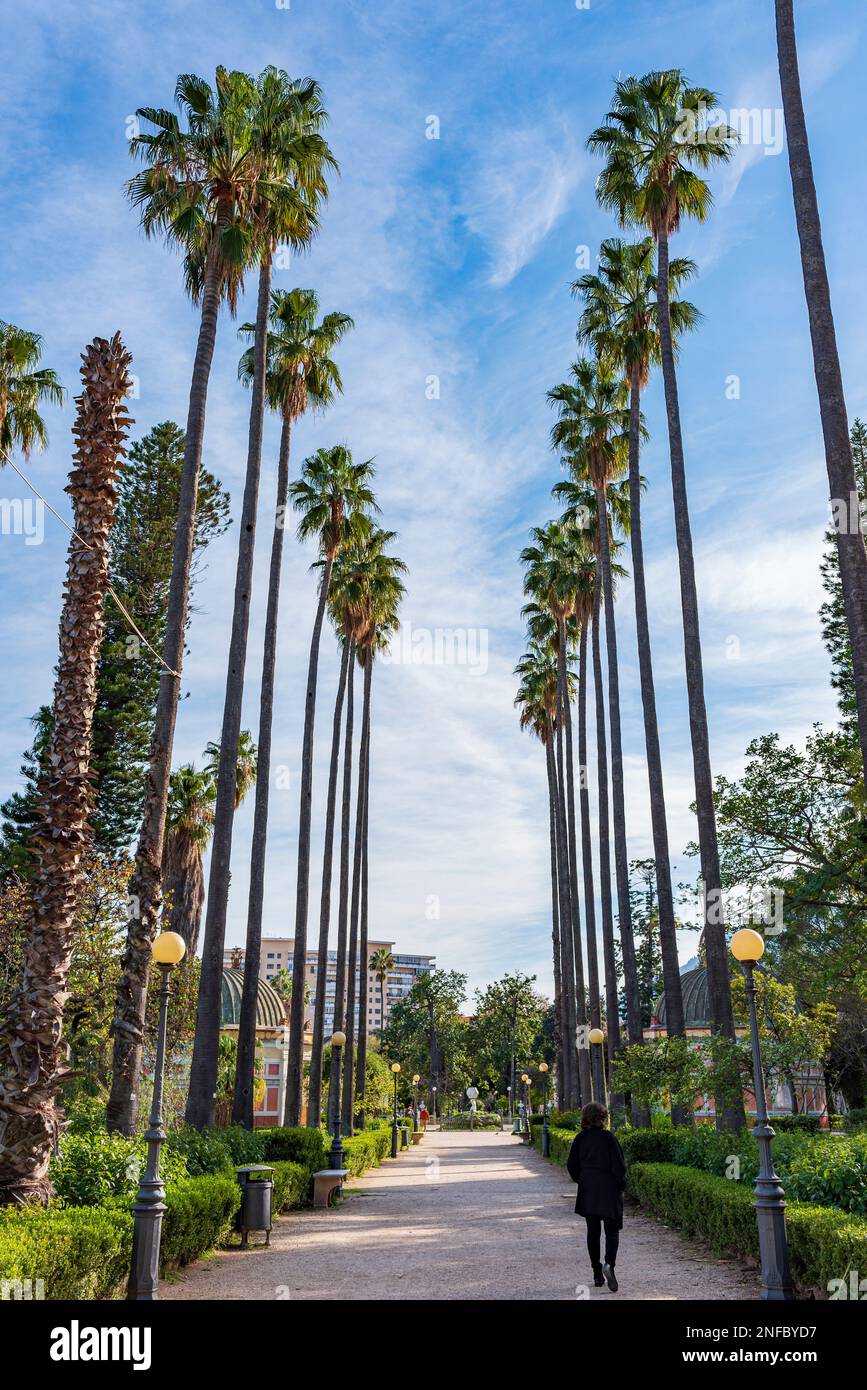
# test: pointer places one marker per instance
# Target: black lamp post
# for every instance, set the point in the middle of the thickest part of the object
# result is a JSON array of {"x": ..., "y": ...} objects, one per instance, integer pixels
[
  {"x": 395, "y": 1067},
  {"x": 770, "y": 1199},
  {"x": 543, "y": 1068},
  {"x": 415, "y": 1080},
  {"x": 433, "y": 1090},
  {"x": 167, "y": 950},
  {"x": 338, "y": 1042},
  {"x": 596, "y": 1038},
  {"x": 525, "y": 1080}
]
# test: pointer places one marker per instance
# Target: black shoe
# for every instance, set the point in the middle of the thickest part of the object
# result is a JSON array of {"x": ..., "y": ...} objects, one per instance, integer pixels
[
  {"x": 610, "y": 1278},
  {"x": 598, "y": 1281}
]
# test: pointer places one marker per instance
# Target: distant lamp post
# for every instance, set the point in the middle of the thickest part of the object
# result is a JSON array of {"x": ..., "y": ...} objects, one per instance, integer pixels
[
  {"x": 415, "y": 1080},
  {"x": 395, "y": 1067},
  {"x": 526, "y": 1084},
  {"x": 597, "y": 1038},
  {"x": 167, "y": 950},
  {"x": 433, "y": 1091},
  {"x": 543, "y": 1068},
  {"x": 770, "y": 1200},
  {"x": 338, "y": 1042}
]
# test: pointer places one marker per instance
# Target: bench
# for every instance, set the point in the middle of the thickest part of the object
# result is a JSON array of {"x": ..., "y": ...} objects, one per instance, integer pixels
[
  {"x": 416, "y": 1136},
  {"x": 327, "y": 1185}
]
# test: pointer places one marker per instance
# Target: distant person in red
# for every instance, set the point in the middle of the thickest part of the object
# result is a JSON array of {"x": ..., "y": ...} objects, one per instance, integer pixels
[{"x": 423, "y": 1116}]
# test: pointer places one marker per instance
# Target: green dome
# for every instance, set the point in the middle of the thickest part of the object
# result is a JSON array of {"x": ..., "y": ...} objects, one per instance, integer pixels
[
  {"x": 696, "y": 1000},
  {"x": 271, "y": 1011}
]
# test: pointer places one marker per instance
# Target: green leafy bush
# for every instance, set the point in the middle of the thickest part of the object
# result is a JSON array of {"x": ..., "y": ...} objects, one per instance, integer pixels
[
  {"x": 199, "y": 1213},
  {"x": 831, "y": 1173},
  {"x": 856, "y": 1119},
  {"x": 78, "y": 1252},
  {"x": 92, "y": 1167},
  {"x": 203, "y": 1150},
  {"x": 308, "y": 1147},
  {"x": 366, "y": 1150},
  {"x": 482, "y": 1120},
  {"x": 796, "y": 1124},
  {"x": 291, "y": 1186},
  {"x": 823, "y": 1244}
]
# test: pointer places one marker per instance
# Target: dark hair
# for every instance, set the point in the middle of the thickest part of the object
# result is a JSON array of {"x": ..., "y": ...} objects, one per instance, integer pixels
[{"x": 594, "y": 1116}]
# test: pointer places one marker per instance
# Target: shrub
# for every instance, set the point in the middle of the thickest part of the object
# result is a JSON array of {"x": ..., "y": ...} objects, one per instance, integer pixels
[
  {"x": 856, "y": 1119},
  {"x": 93, "y": 1167},
  {"x": 482, "y": 1120},
  {"x": 84, "y": 1114},
  {"x": 199, "y": 1213},
  {"x": 831, "y": 1173},
  {"x": 291, "y": 1186},
  {"x": 559, "y": 1142},
  {"x": 78, "y": 1252},
  {"x": 823, "y": 1244},
  {"x": 646, "y": 1145},
  {"x": 203, "y": 1150},
  {"x": 800, "y": 1124},
  {"x": 308, "y": 1147},
  {"x": 366, "y": 1150}
]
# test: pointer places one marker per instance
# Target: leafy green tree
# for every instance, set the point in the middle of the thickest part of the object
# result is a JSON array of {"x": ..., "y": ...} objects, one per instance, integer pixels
[
  {"x": 427, "y": 1032},
  {"x": 503, "y": 1036}
]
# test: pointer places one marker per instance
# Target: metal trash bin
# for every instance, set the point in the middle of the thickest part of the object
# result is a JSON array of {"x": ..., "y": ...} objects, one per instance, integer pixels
[{"x": 257, "y": 1192}]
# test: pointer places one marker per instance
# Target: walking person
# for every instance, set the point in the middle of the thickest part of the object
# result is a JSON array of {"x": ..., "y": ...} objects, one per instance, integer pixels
[{"x": 597, "y": 1164}]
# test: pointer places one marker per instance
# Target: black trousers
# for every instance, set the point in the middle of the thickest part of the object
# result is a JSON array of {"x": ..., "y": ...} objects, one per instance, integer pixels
[{"x": 612, "y": 1240}]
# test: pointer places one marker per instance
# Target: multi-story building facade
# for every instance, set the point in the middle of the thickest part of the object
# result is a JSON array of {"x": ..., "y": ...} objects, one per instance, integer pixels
[{"x": 276, "y": 957}]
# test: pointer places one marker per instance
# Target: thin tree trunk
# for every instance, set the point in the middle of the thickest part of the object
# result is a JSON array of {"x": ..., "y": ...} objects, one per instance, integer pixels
[
  {"x": 555, "y": 915},
  {"x": 343, "y": 900},
  {"x": 586, "y": 836},
  {"x": 352, "y": 986},
  {"x": 314, "y": 1086},
  {"x": 242, "y": 1108},
  {"x": 731, "y": 1116},
  {"x": 583, "y": 1043},
  {"x": 203, "y": 1069},
  {"x": 33, "y": 1053},
  {"x": 294, "y": 1080},
  {"x": 612, "y": 1015},
  {"x": 361, "y": 1065},
  {"x": 659, "y": 826},
  {"x": 621, "y": 858},
  {"x": 567, "y": 977},
  {"x": 184, "y": 887},
  {"x": 842, "y": 482},
  {"x": 145, "y": 886}
]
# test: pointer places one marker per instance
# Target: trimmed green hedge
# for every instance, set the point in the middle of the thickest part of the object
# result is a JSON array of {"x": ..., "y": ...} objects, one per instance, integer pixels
[
  {"x": 78, "y": 1252},
  {"x": 366, "y": 1150},
  {"x": 291, "y": 1186},
  {"x": 199, "y": 1213},
  {"x": 559, "y": 1142},
  {"x": 481, "y": 1120},
  {"x": 823, "y": 1244}
]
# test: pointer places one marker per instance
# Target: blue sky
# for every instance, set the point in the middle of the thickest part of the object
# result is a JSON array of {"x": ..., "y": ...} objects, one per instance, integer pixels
[{"x": 454, "y": 255}]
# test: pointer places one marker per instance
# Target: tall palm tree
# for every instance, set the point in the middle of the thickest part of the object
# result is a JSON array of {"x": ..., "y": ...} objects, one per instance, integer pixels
[
  {"x": 619, "y": 320},
  {"x": 537, "y": 700},
  {"x": 382, "y": 963},
  {"x": 335, "y": 500},
  {"x": 293, "y": 159},
  {"x": 24, "y": 386},
  {"x": 552, "y": 579},
  {"x": 33, "y": 1062},
  {"x": 826, "y": 361},
  {"x": 301, "y": 376},
  {"x": 593, "y": 430},
  {"x": 196, "y": 190},
  {"x": 384, "y": 591},
  {"x": 655, "y": 139}
]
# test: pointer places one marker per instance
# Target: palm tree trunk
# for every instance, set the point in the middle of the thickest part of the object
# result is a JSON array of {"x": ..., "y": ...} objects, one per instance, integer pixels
[
  {"x": 242, "y": 1108},
  {"x": 843, "y": 485},
  {"x": 567, "y": 976},
  {"x": 577, "y": 953},
  {"x": 612, "y": 1016},
  {"x": 586, "y": 836},
  {"x": 203, "y": 1069},
  {"x": 732, "y": 1114},
  {"x": 621, "y": 858},
  {"x": 145, "y": 888},
  {"x": 347, "y": 1108},
  {"x": 659, "y": 826},
  {"x": 361, "y": 1064},
  {"x": 299, "y": 952},
  {"x": 314, "y": 1086},
  {"x": 555, "y": 915},
  {"x": 33, "y": 1055},
  {"x": 343, "y": 901},
  {"x": 184, "y": 889}
]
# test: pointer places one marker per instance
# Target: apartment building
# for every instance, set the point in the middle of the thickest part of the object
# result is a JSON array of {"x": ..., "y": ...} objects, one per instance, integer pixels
[{"x": 276, "y": 956}]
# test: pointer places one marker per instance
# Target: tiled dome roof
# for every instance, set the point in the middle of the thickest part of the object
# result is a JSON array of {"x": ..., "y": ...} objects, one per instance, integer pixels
[
  {"x": 696, "y": 1001},
  {"x": 271, "y": 1011}
]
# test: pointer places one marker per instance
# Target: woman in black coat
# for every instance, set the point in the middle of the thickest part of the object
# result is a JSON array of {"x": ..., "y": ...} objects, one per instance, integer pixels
[{"x": 597, "y": 1164}]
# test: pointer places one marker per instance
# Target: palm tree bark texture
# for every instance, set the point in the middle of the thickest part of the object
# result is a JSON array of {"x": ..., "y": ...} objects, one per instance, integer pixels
[{"x": 32, "y": 1050}]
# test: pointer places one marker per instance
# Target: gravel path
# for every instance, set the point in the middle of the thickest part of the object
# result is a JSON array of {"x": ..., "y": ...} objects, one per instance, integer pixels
[{"x": 460, "y": 1216}]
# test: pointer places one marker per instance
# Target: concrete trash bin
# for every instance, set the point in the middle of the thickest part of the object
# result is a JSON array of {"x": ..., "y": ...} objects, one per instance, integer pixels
[{"x": 257, "y": 1193}]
